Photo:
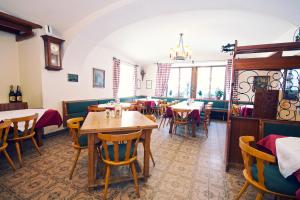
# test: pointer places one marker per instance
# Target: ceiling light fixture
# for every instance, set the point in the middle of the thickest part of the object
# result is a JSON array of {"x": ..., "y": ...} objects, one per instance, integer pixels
[{"x": 181, "y": 51}]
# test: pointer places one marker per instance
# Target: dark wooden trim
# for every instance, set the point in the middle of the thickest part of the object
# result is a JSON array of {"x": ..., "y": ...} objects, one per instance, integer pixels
[
  {"x": 269, "y": 63},
  {"x": 288, "y": 46},
  {"x": 13, "y": 106},
  {"x": 20, "y": 27}
]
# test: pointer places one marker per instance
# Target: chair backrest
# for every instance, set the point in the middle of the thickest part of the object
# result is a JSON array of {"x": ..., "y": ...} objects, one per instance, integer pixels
[
  {"x": 4, "y": 129},
  {"x": 181, "y": 115},
  {"x": 28, "y": 122},
  {"x": 250, "y": 155},
  {"x": 95, "y": 109},
  {"x": 207, "y": 112},
  {"x": 128, "y": 139},
  {"x": 74, "y": 129}
]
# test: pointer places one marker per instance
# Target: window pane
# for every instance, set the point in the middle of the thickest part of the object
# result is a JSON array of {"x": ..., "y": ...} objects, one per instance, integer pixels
[
  {"x": 203, "y": 81},
  {"x": 173, "y": 83},
  {"x": 126, "y": 85},
  {"x": 185, "y": 82},
  {"x": 217, "y": 79}
]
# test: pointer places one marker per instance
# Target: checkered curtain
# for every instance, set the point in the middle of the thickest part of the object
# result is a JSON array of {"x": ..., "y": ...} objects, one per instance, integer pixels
[
  {"x": 162, "y": 78},
  {"x": 228, "y": 78},
  {"x": 135, "y": 79},
  {"x": 116, "y": 77}
]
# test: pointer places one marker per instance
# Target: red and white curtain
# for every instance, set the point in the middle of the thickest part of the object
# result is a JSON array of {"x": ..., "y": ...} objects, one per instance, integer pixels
[
  {"x": 135, "y": 79},
  {"x": 162, "y": 78},
  {"x": 228, "y": 78},
  {"x": 116, "y": 77}
]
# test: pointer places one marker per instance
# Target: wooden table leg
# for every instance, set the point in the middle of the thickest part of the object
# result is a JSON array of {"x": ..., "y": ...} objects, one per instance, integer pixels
[
  {"x": 194, "y": 129},
  {"x": 39, "y": 133},
  {"x": 147, "y": 153},
  {"x": 91, "y": 160},
  {"x": 171, "y": 126}
]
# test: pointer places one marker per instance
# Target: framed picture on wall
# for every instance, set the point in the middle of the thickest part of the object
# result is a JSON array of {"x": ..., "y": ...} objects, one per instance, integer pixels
[
  {"x": 73, "y": 77},
  {"x": 98, "y": 78},
  {"x": 138, "y": 84},
  {"x": 260, "y": 83},
  {"x": 148, "y": 84}
]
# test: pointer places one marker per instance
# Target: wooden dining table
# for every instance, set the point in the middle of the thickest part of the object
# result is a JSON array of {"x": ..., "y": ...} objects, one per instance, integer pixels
[
  {"x": 130, "y": 121},
  {"x": 196, "y": 105}
]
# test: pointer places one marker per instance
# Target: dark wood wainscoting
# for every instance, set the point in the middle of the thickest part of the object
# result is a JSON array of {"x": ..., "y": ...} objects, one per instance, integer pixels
[
  {"x": 239, "y": 126},
  {"x": 13, "y": 106}
]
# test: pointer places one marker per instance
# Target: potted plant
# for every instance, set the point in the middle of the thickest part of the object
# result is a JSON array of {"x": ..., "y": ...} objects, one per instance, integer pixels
[
  {"x": 170, "y": 93},
  {"x": 219, "y": 93},
  {"x": 200, "y": 93}
]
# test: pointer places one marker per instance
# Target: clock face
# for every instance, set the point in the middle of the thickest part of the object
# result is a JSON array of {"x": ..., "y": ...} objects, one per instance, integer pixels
[{"x": 54, "y": 48}]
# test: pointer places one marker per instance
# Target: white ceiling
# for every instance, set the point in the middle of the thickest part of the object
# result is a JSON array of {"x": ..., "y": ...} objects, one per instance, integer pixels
[{"x": 145, "y": 30}]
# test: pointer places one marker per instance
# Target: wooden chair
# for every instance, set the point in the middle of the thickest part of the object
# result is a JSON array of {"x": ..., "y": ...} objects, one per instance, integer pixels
[
  {"x": 123, "y": 151},
  {"x": 141, "y": 108},
  {"x": 180, "y": 118},
  {"x": 95, "y": 109},
  {"x": 263, "y": 176},
  {"x": 4, "y": 129},
  {"x": 18, "y": 136},
  {"x": 205, "y": 118},
  {"x": 78, "y": 142}
]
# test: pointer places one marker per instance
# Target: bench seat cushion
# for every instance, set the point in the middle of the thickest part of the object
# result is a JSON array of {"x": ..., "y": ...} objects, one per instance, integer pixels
[{"x": 275, "y": 182}]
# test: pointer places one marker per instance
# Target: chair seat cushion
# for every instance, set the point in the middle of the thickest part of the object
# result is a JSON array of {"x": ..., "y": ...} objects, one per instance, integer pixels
[
  {"x": 275, "y": 182},
  {"x": 83, "y": 140},
  {"x": 122, "y": 151}
]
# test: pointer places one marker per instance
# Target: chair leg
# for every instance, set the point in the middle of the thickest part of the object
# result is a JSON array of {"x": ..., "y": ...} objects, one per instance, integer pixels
[
  {"x": 75, "y": 162},
  {"x": 259, "y": 196},
  {"x": 19, "y": 153},
  {"x": 106, "y": 180},
  {"x": 136, "y": 184},
  {"x": 205, "y": 128},
  {"x": 245, "y": 186},
  {"x": 36, "y": 146},
  {"x": 151, "y": 156},
  {"x": 11, "y": 163},
  {"x": 163, "y": 119}
]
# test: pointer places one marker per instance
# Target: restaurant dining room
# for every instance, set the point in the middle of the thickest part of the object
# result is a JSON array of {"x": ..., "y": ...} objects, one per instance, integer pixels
[{"x": 152, "y": 100}]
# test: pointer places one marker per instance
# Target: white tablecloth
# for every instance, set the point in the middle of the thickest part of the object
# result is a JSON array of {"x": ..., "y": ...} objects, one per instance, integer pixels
[
  {"x": 107, "y": 105},
  {"x": 288, "y": 155},
  {"x": 21, "y": 113}
]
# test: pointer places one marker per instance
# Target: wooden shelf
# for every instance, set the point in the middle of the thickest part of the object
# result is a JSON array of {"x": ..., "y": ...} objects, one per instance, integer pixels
[{"x": 17, "y": 26}]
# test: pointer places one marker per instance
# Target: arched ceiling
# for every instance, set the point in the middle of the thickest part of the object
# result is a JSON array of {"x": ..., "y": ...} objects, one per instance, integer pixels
[{"x": 132, "y": 26}]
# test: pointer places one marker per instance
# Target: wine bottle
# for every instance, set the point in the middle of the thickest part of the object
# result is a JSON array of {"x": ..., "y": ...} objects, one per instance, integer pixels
[
  {"x": 18, "y": 94},
  {"x": 12, "y": 97}
]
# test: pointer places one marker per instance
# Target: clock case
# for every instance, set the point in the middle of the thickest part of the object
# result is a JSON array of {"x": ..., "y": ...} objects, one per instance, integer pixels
[{"x": 47, "y": 41}]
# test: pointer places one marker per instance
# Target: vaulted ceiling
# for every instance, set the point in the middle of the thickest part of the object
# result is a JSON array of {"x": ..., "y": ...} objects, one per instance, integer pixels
[{"x": 145, "y": 30}]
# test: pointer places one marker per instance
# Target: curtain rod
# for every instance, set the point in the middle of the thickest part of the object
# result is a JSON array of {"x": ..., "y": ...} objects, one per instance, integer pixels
[
  {"x": 192, "y": 61},
  {"x": 124, "y": 61}
]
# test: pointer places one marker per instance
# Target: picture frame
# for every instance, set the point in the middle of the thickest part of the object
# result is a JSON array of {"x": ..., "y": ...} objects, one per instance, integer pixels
[
  {"x": 148, "y": 84},
  {"x": 98, "y": 78},
  {"x": 72, "y": 77},
  {"x": 138, "y": 84},
  {"x": 260, "y": 83}
]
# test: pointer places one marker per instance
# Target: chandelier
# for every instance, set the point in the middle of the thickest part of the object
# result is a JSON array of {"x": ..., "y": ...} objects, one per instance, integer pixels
[{"x": 181, "y": 51}]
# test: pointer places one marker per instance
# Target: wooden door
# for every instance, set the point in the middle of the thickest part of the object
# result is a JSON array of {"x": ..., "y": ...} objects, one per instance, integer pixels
[{"x": 265, "y": 104}]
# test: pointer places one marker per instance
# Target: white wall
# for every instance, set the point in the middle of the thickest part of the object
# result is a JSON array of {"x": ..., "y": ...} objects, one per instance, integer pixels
[
  {"x": 56, "y": 88},
  {"x": 150, "y": 75},
  {"x": 31, "y": 61},
  {"x": 9, "y": 64}
]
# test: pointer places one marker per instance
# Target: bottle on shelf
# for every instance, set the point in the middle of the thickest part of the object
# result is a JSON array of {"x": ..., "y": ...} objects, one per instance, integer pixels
[
  {"x": 12, "y": 96},
  {"x": 18, "y": 94}
]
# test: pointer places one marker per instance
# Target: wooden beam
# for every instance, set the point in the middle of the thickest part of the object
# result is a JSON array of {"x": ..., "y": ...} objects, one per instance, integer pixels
[
  {"x": 14, "y": 26},
  {"x": 269, "y": 63},
  {"x": 261, "y": 48},
  {"x": 24, "y": 36},
  {"x": 19, "y": 21}
]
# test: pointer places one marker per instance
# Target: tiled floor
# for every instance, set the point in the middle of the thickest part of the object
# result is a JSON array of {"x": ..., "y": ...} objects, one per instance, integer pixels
[{"x": 186, "y": 168}]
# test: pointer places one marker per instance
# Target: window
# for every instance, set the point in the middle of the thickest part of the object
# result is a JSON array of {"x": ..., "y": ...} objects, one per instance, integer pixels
[
  {"x": 127, "y": 80},
  {"x": 179, "y": 84},
  {"x": 209, "y": 79}
]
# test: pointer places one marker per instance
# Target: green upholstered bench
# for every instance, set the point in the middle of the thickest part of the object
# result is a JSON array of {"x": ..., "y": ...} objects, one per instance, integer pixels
[
  {"x": 78, "y": 108},
  {"x": 286, "y": 128}
]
